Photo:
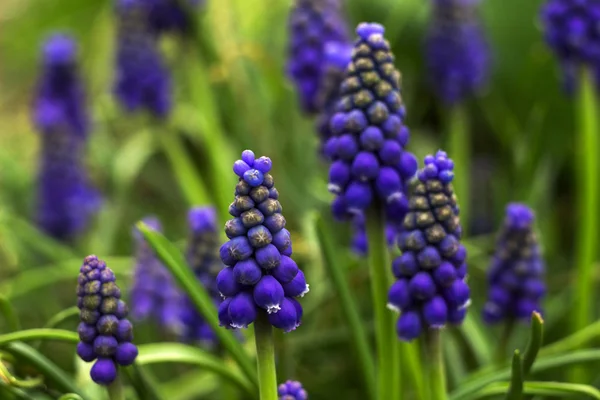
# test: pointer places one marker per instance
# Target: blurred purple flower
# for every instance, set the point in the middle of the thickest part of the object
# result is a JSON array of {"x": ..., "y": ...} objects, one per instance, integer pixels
[{"x": 291, "y": 390}]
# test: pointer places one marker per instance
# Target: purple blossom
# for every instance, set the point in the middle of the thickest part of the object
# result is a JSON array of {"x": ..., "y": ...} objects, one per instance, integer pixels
[
  {"x": 291, "y": 390},
  {"x": 457, "y": 51},
  {"x": 105, "y": 333},
  {"x": 516, "y": 274},
  {"x": 430, "y": 290},
  {"x": 260, "y": 276},
  {"x": 313, "y": 25},
  {"x": 65, "y": 199},
  {"x": 171, "y": 15}
]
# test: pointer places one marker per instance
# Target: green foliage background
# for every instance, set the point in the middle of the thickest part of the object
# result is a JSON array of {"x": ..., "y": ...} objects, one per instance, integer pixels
[{"x": 230, "y": 94}]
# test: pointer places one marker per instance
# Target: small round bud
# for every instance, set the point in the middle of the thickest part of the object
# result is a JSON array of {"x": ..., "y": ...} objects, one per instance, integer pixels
[
  {"x": 268, "y": 294},
  {"x": 104, "y": 371}
]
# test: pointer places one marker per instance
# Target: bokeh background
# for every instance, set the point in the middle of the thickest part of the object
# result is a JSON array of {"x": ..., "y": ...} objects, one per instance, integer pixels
[{"x": 231, "y": 93}]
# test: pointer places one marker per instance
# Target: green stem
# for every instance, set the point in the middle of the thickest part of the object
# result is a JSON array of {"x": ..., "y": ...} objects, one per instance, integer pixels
[
  {"x": 265, "y": 357},
  {"x": 587, "y": 146},
  {"x": 387, "y": 344},
  {"x": 459, "y": 149},
  {"x": 435, "y": 361},
  {"x": 189, "y": 181},
  {"x": 8, "y": 311},
  {"x": 33, "y": 334},
  {"x": 503, "y": 343},
  {"x": 115, "y": 389},
  {"x": 349, "y": 306}
]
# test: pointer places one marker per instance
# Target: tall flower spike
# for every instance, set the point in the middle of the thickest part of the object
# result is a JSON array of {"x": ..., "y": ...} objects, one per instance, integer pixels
[
  {"x": 431, "y": 290},
  {"x": 203, "y": 258},
  {"x": 516, "y": 274},
  {"x": 369, "y": 163},
  {"x": 312, "y": 24},
  {"x": 105, "y": 333},
  {"x": 291, "y": 390},
  {"x": 142, "y": 81},
  {"x": 153, "y": 292},
  {"x": 261, "y": 276},
  {"x": 571, "y": 31},
  {"x": 456, "y": 50},
  {"x": 65, "y": 199}
]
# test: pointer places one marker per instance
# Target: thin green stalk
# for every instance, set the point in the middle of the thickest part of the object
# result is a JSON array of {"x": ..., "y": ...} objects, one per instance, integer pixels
[
  {"x": 503, "y": 343},
  {"x": 265, "y": 358},
  {"x": 115, "y": 389},
  {"x": 349, "y": 306},
  {"x": 388, "y": 356},
  {"x": 8, "y": 311},
  {"x": 33, "y": 334},
  {"x": 435, "y": 365},
  {"x": 189, "y": 180},
  {"x": 459, "y": 148},
  {"x": 588, "y": 199}
]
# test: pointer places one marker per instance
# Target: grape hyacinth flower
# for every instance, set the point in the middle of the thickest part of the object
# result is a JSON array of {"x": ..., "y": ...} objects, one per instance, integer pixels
[
  {"x": 457, "y": 53},
  {"x": 142, "y": 81},
  {"x": 260, "y": 276},
  {"x": 571, "y": 31},
  {"x": 291, "y": 390},
  {"x": 337, "y": 57},
  {"x": 105, "y": 333},
  {"x": 515, "y": 277},
  {"x": 65, "y": 199},
  {"x": 153, "y": 292},
  {"x": 313, "y": 24},
  {"x": 171, "y": 15},
  {"x": 369, "y": 164},
  {"x": 431, "y": 290},
  {"x": 203, "y": 258}
]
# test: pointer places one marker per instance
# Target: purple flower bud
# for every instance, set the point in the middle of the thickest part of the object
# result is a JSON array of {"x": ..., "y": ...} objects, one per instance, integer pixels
[
  {"x": 297, "y": 287},
  {"x": 254, "y": 177},
  {"x": 227, "y": 283},
  {"x": 268, "y": 257},
  {"x": 240, "y": 167},
  {"x": 408, "y": 326},
  {"x": 365, "y": 166},
  {"x": 87, "y": 333},
  {"x": 86, "y": 352},
  {"x": 237, "y": 249},
  {"x": 104, "y": 371},
  {"x": 105, "y": 346},
  {"x": 224, "y": 319},
  {"x": 291, "y": 390},
  {"x": 247, "y": 272},
  {"x": 399, "y": 296},
  {"x": 435, "y": 312},
  {"x": 347, "y": 147},
  {"x": 282, "y": 240},
  {"x": 422, "y": 286},
  {"x": 458, "y": 295},
  {"x": 248, "y": 158},
  {"x": 445, "y": 274},
  {"x": 260, "y": 236},
  {"x": 286, "y": 271},
  {"x": 285, "y": 318},
  {"x": 263, "y": 164},
  {"x": 242, "y": 310},
  {"x": 126, "y": 354},
  {"x": 268, "y": 294},
  {"x": 339, "y": 176},
  {"x": 234, "y": 227},
  {"x": 405, "y": 265},
  {"x": 124, "y": 331},
  {"x": 299, "y": 310}
]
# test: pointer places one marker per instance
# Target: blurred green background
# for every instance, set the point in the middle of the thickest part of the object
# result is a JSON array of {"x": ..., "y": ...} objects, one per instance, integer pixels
[{"x": 230, "y": 94}]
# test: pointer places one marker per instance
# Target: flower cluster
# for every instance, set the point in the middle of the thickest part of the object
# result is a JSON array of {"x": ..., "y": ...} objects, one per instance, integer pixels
[
  {"x": 457, "y": 52},
  {"x": 291, "y": 390},
  {"x": 360, "y": 244},
  {"x": 369, "y": 163},
  {"x": 153, "y": 292},
  {"x": 515, "y": 277},
  {"x": 260, "y": 275},
  {"x": 431, "y": 289},
  {"x": 313, "y": 25},
  {"x": 142, "y": 81},
  {"x": 571, "y": 30},
  {"x": 171, "y": 15},
  {"x": 337, "y": 57},
  {"x": 105, "y": 333},
  {"x": 66, "y": 199},
  {"x": 203, "y": 258}
]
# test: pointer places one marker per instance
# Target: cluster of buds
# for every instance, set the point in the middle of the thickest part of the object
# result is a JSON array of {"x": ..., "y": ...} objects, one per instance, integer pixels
[
  {"x": 516, "y": 275},
  {"x": 291, "y": 390},
  {"x": 105, "y": 333},
  {"x": 431, "y": 290},
  {"x": 369, "y": 164},
  {"x": 313, "y": 24},
  {"x": 260, "y": 275}
]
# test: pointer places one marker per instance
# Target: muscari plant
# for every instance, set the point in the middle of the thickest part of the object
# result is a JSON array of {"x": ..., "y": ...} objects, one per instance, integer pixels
[{"x": 373, "y": 179}]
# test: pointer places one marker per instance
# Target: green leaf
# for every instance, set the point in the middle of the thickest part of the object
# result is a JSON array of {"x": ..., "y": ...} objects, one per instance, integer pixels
[
  {"x": 543, "y": 363},
  {"x": 193, "y": 385},
  {"x": 11, "y": 393},
  {"x": 47, "y": 368},
  {"x": 131, "y": 158},
  {"x": 144, "y": 386},
  {"x": 546, "y": 389},
  {"x": 515, "y": 391},
  {"x": 477, "y": 339},
  {"x": 175, "y": 263},
  {"x": 184, "y": 354},
  {"x": 9, "y": 314},
  {"x": 535, "y": 341},
  {"x": 34, "y": 334},
  {"x": 349, "y": 306},
  {"x": 576, "y": 340}
]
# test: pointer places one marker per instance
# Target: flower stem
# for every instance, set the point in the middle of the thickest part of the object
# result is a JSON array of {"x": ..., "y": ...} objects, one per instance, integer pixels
[
  {"x": 507, "y": 330},
  {"x": 435, "y": 365},
  {"x": 115, "y": 389},
  {"x": 459, "y": 148},
  {"x": 265, "y": 357},
  {"x": 587, "y": 193},
  {"x": 388, "y": 357}
]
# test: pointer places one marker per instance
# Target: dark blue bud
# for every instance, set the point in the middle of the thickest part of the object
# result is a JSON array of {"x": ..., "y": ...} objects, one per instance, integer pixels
[
  {"x": 457, "y": 316},
  {"x": 372, "y": 138},
  {"x": 270, "y": 207},
  {"x": 248, "y": 157},
  {"x": 338, "y": 122},
  {"x": 282, "y": 240},
  {"x": 234, "y": 227},
  {"x": 445, "y": 274},
  {"x": 297, "y": 287},
  {"x": 242, "y": 310},
  {"x": 299, "y": 310},
  {"x": 124, "y": 331},
  {"x": 252, "y": 218},
  {"x": 275, "y": 223},
  {"x": 398, "y": 296},
  {"x": 429, "y": 258},
  {"x": 247, "y": 272},
  {"x": 236, "y": 249},
  {"x": 388, "y": 182},
  {"x": 86, "y": 352},
  {"x": 407, "y": 167},
  {"x": 458, "y": 295},
  {"x": 346, "y": 148},
  {"x": 339, "y": 176},
  {"x": 435, "y": 312},
  {"x": 268, "y": 257},
  {"x": 254, "y": 177},
  {"x": 408, "y": 326},
  {"x": 268, "y": 294},
  {"x": 286, "y": 318},
  {"x": 107, "y": 325},
  {"x": 105, "y": 346},
  {"x": 365, "y": 166},
  {"x": 227, "y": 284},
  {"x": 104, "y": 371},
  {"x": 223, "y": 313},
  {"x": 405, "y": 265},
  {"x": 358, "y": 195},
  {"x": 240, "y": 168},
  {"x": 263, "y": 164},
  {"x": 259, "y": 236},
  {"x": 87, "y": 332},
  {"x": 402, "y": 138},
  {"x": 286, "y": 271},
  {"x": 126, "y": 354},
  {"x": 421, "y": 286},
  {"x": 390, "y": 153}
]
